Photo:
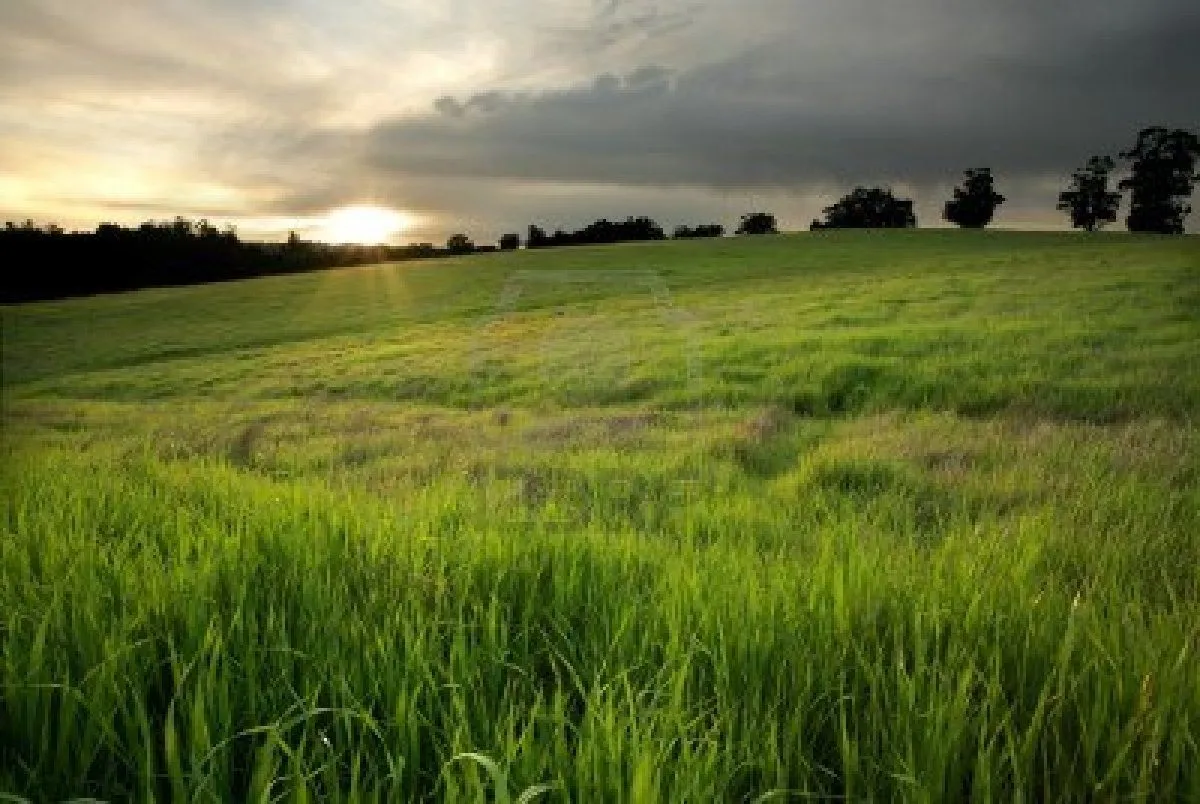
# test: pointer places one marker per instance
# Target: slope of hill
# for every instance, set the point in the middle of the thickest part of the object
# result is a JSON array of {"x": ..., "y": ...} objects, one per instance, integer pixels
[{"x": 906, "y": 515}]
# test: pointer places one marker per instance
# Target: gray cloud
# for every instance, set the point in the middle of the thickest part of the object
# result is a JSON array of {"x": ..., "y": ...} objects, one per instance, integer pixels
[{"x": 770, "y": 118}]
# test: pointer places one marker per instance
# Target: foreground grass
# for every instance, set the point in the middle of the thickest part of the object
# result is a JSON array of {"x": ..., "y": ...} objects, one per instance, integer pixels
[{"x": 911, "y": 517}]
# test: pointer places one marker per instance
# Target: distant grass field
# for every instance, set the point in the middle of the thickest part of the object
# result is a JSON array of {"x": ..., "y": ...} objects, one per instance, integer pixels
[{"x": 857, "y": 516}]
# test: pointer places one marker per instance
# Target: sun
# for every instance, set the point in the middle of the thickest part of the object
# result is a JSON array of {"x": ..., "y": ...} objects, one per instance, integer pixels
[{"x": 364, "y": 225}]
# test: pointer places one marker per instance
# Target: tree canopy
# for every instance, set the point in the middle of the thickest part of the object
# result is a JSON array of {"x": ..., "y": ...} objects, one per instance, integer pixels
[
  {"x": 1088, "y": 201},
  {"x": 974, "y": 203},
  {"x": 869, "y": 208},
  {"x": 1162, "y": 175}
]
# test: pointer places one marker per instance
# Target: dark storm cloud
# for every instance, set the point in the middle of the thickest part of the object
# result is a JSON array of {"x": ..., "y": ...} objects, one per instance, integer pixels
[{"x": 1050, "y": 90}]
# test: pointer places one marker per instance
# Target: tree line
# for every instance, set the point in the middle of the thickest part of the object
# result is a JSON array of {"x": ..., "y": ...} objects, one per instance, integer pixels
[
  {"x": 50, "y": 263},
  {"x": 55, "y": 263},
  {"x": 1162, "y": 175}
]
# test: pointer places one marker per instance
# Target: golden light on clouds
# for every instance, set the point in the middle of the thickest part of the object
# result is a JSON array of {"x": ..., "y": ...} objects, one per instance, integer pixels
[{"x": 365, "y": 225}]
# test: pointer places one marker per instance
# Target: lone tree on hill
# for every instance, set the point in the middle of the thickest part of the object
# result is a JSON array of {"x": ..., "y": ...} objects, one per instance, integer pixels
[
  {"x": 974, "y": 204},
  {"x": 1162, "y": 176},
  {"x": 1088, "y": 200},
  {"x": 758, "y": 223},
  {"x": 869, "y": 208}
]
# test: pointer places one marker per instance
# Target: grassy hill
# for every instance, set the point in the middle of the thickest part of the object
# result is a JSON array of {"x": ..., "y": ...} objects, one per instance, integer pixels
[{"x": 906, "y": 515}]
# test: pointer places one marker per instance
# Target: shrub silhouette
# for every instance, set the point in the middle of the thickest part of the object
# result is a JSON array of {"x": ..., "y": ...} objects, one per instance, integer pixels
[
  {"x": 758, "y": 223},
  {"x": 701, "y": 231}
]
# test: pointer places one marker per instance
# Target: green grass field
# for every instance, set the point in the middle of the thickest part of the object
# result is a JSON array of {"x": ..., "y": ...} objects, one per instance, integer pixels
[{"x": 859, "y": 516}]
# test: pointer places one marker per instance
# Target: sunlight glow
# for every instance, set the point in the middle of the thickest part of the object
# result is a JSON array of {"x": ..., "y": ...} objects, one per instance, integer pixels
[{"x": 365, "y": 225}]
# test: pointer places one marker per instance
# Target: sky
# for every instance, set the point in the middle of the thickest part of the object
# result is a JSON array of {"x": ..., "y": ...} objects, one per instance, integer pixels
[{"x": 483, "y": 116}]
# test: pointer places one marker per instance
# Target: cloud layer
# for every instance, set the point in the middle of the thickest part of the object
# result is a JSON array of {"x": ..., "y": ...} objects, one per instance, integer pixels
[{"x": 486, "y": 115}]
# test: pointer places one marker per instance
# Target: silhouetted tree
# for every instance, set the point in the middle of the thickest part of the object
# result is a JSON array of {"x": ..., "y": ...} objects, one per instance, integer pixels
[
  {"x": 703, "y": 230},
  {"x": 459, "y": 244},
  {"x": 1088, "y": 200},
  {"x": 869, "y": 208},
  {"x": 975, "y": 202},
  {"x": 757, "y": 223},
  {"x": 537, "y": 237},
  {"x": 510, "y": 242},
  {"x": 1162, "y": 175}
]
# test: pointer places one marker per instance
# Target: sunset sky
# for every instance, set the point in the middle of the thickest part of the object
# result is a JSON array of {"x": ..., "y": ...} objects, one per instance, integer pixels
[{"x": 485, "y": 115}]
